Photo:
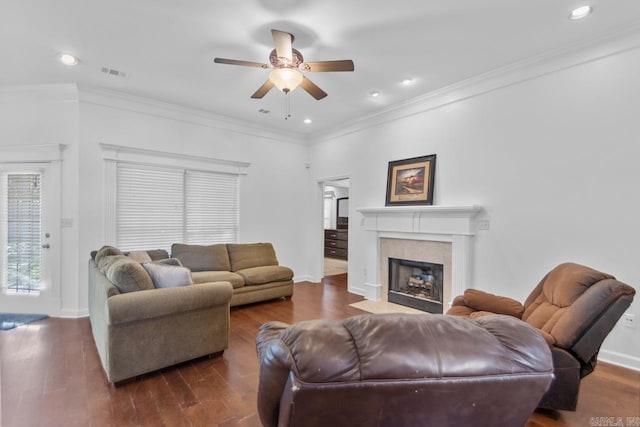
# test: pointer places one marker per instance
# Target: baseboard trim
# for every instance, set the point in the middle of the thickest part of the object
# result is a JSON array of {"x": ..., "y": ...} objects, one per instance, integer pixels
[
  {"x": 66, "y": 313},
  {"x": 619, "y": 359},
  {"x": 298, "y": 279}
]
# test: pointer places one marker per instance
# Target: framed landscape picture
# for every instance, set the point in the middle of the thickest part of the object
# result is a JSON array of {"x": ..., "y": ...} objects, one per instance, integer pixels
[{"x": 410, "y": 181}]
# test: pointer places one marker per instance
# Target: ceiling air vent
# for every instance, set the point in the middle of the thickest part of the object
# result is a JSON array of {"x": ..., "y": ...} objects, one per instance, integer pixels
[{"x": 113, "y": 72}]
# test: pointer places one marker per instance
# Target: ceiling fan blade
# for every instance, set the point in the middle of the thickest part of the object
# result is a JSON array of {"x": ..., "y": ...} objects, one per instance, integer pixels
[
  {"x": 283, "y": 42},
  {"x": 312, "y": 89},
  {"x": 262, "y": 91},
  {"x": 324, "y": 66},
  {"x": 238, "y": 62}
]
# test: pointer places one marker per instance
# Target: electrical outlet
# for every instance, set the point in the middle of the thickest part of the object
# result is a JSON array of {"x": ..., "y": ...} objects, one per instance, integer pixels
[
  {"x": 629, "y": 320},
  {"x": 483, "y": 224}
]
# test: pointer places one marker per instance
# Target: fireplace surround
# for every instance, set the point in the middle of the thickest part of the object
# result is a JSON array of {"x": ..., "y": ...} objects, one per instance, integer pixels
[{"x": 434, "y": 234}]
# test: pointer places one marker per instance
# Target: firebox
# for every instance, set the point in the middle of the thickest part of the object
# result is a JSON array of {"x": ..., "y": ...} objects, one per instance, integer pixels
[{"x": 416, "y": 284}]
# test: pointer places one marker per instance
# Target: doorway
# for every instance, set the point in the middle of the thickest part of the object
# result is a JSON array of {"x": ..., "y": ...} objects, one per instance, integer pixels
[
  {"x": 29, "y": 251},
  {"x": 336, "y": 226}
]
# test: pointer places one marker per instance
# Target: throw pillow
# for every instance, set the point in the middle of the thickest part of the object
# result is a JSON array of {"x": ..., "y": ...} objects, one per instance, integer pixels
[
  {"x": 169, "y": 261},
  {"x": 107, "y": 261},
  {"x": 157, "y": 254},
  {"x": 168, "y": 276},
  {"x": 129, "y": 276},
  {"x": 140, "y": 256},
  {"x": 106, "y": 251}
]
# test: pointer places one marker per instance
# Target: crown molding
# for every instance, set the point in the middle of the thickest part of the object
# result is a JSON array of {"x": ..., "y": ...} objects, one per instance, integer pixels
[
  {"x": 32, "y": 153},
  {"x": 155, "y": 108},
  {"x": 121, "y": 153},
  {"x": 26, "y": 94},
  {"x": 556, "y": 60}
]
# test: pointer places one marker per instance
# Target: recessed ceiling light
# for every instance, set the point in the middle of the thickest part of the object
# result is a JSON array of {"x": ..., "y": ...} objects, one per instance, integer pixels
[
  {"x": 375, "y": 93},
  {"x": 308, "y": 121},
  {"x": 407, "y": 81},
  {"x": 68, "y": 59},
  {"x": 580, "y": 12}
]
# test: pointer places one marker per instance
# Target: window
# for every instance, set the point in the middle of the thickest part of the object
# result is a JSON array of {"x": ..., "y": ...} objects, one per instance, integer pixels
[
  {"x": 211, "y": 207},
  {"x": 158, "y": 206},
  {"x": 20, "y": 216}
]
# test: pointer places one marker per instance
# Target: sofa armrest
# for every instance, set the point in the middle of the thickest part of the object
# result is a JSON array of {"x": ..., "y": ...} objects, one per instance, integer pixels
[
  {"x": 484, "y": 301},
  {"x": 275, "y": 365},
  {"x": 587, "y": 322},
  {"x": 152, "y": 303},
  {"x": 458, "y": 301}
]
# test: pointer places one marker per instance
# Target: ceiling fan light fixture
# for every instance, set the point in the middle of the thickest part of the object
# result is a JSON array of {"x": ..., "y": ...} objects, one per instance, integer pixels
[
  {"x": 286, "y": 64},
  {"x": 68, "y": 59},
  {"x": 286, "y": 79},
  {"x": 580, "y": 12}
]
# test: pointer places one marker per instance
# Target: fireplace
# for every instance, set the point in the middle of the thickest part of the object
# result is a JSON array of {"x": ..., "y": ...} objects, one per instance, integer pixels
[
  {"x": 416, "y": 284},
  {"x": 436, "y": 234}
]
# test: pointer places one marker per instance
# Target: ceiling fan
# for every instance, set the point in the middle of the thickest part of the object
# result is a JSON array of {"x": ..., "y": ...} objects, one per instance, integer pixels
[{"x": 286, "y": 64}]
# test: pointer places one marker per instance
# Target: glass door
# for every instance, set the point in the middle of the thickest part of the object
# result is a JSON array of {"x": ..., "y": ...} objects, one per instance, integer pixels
[{"x": 25, "y": 240}]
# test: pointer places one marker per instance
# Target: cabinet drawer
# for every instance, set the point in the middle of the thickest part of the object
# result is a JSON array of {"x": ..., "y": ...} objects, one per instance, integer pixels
[
  {"x": 336, "y": 234},
  {"x": 341, "y": 244},
  {"x": 335, "y": 253}
]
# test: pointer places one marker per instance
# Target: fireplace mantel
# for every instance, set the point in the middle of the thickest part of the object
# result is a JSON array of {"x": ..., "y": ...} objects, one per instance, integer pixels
[
  {"x": 422, "y": 219},
  {"x": 453, "y": 224}
]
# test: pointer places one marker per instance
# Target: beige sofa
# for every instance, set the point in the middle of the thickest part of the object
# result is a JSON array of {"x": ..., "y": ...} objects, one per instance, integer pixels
[
  {"x": 142, "y": 331},
  {"x": 252, "y": 269},
  {"x": 144, "y": 317}
]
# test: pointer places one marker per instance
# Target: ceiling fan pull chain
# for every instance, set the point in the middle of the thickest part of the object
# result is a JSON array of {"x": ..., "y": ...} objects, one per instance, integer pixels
[{"x": 288, "y": 105}]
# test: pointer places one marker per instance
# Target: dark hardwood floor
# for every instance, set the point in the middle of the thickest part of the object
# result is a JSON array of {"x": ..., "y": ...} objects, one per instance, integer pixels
[{"x": 51, "y": 375}]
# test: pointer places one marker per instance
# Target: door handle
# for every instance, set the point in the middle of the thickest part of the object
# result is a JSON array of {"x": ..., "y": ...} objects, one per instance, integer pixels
[{"x": 46, "y": 246}]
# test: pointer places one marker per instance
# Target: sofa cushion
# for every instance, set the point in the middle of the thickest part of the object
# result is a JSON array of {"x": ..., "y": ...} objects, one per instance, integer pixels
[
  {"x": 168, "y": 276},
  {"x": 202, "y": 258},
  {"x": 218, "y": 276},
  {"x": 265, "y": 274},
  {"x": 128, "y": 275},
  {"x": 248, "y": 255},
  {"x": 106, "y": 251}
]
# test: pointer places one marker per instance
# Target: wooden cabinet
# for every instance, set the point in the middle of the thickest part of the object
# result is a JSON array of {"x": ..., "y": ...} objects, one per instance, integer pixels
[{"x": 336, "y": 243}]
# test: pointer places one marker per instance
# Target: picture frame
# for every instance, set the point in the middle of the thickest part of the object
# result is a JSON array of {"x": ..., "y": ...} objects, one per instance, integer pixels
[{"x": 410, "y": 181}]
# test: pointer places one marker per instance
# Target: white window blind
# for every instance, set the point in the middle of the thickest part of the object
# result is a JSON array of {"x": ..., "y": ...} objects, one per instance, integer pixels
[
  {"x": 149, "y": 207},
  {"x": 158, "y": 206},
  {"x": 212, "y": 207},
  {"x": 21, "y": 231}
]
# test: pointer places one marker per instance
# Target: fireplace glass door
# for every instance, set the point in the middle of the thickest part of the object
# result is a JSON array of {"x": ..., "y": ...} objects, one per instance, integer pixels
[{"x": 416, "y": 284}]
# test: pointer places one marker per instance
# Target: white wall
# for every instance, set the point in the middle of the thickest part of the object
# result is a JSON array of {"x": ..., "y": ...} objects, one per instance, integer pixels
[
  {"x": 270, "y": 209},
  {"x": 44, "y": 115},
  {"x": 553, "y": 159}
]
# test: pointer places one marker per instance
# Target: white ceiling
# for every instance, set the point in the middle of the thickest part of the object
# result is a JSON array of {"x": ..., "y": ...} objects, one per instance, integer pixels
[{"x": 166, "y": 48}]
